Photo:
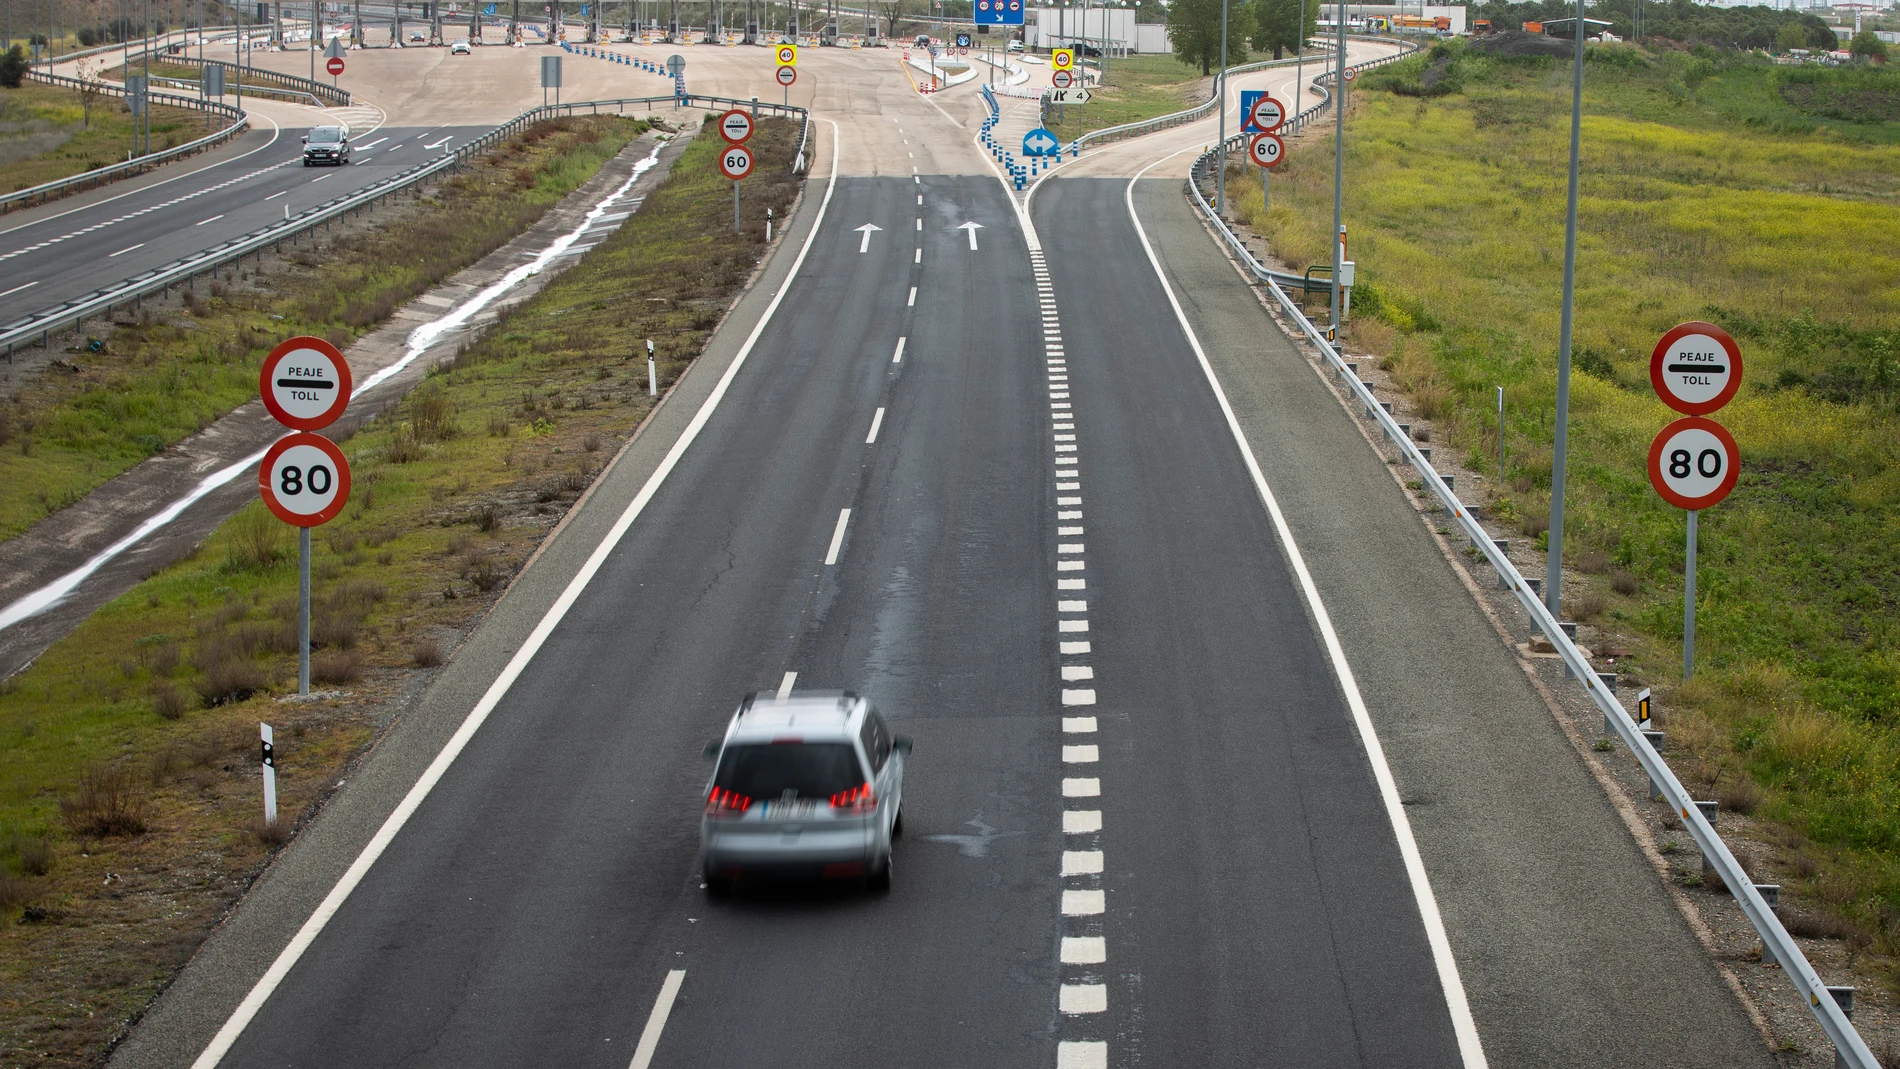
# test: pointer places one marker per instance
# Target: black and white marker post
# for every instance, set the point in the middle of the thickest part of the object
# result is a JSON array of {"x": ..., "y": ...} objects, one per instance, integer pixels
[
  {"x": 304, "y": 480},
  {"x": 653, "y": 375},
  {"x": 270, "y": 777}
]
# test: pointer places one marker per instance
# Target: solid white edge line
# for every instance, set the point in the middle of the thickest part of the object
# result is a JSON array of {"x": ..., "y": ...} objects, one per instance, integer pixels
[
  {"x": 1470, "y": 1048},
  {"x": 877, "y": 421},
  {"x": 656, "y": 1021},
  {"x": 837, "y": 537},
  {"x": 287, "y": 958}
]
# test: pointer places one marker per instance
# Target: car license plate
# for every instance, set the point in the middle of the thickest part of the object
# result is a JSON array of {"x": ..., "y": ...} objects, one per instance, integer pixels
[{"x": 797, "y": 809}]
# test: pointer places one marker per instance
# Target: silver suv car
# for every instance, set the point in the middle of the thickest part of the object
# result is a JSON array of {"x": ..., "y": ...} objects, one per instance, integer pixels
[{"x": 807, "y": 784}]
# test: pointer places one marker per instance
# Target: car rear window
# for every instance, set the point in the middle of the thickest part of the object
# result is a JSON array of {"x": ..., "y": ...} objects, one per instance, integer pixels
[{"x": 810, "y": 769}]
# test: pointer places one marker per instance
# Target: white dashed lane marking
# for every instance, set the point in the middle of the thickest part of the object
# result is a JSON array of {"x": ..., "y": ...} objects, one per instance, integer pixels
[{"x": 195, "y": 194}]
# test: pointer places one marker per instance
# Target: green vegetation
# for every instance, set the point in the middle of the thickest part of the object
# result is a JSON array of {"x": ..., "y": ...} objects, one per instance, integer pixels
[
  {"x": 1139, "y": 87},
  {"x": 1704, "y": 197},
  {"x": 129, "y": 748},
  {"x": 1677, "y": 20},
  {"x": 1194, "y": 31},
  {"x": 156, "y": 382},
  {"x": 47, "y": 134}
]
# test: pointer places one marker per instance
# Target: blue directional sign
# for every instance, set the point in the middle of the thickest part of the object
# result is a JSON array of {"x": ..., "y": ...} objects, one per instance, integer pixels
[
  {"x": 963, "y": 40},
  {"x": 1040, "y": 142},
  {"x": 999, "y": 12},
  {"x": 1248, "y": 98},
  {"x": 489, "y": 10}
]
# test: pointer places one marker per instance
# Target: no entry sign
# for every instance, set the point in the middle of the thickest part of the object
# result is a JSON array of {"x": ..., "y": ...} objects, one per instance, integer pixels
[
  {"x": 1267, "y": 114},
  {"x": 735, "y": 162},
  {"x": 787, "y": 75},
  {"x": 1694, "y": 463},
  {"x": 334, "y": 65},
  {"x": 304, "y": 479},
  {"x": 1696, "y": 368},
  {"x": 735, "y": 126},
  {"x": 1267, "y": 150},
  {"x": 305, "y": 383}
]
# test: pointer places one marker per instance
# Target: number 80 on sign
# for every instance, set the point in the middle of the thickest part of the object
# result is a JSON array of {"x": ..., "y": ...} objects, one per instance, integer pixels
[
  {"x": 304, "y": 479},
  {"x": 1694, "y": 463}
]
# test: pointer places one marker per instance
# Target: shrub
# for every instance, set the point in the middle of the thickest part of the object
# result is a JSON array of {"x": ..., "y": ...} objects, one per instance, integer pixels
[
  {"x": 34, "y": 853},
  {"x": 270, "y": 834},
  {"x": 15, "y": 891},
  {"x": 107, "y": 802},
  {"x": 257, "y": 538},
  {"x": 13, "y": 66},
  {"x": 1593, "y": 562},
  {"x": 426, "y": 652},
  {"x": 168, "y": 702},
  {"x": 1623, "y": 583},
  {"x": 336, "y": 666}
]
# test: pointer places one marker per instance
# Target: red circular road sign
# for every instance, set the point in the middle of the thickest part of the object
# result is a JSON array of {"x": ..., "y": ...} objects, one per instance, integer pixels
[
  {"x": 787, "y": 55},
  {"x": 735, "y": 162},
  {"x": 735, "y": 126},
  {"x": 305, "y": 383},
  {"x": 1267, "y": 114},
  {"x": 1062, "y": 79},
  {"x": 1267, "y": 150},
  {"x": 1694, "y": 462},
  {"x": 334, "y": 65},
  {"x": 787, "y": 75},
  {"x": 1696, "y": 368},
  {"x": 1351, "y": 74},
  {"x": 304, "y": 479}
]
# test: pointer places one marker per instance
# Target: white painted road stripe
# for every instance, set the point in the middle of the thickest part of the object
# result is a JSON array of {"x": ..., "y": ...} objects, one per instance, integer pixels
[
  {"x": 1081, "y": 788},
  {"x": 1082, "y": 755},
  {"x": 876, "y": 422},
  {"x": 127, "y": 249},
  {"x": 213, "y": 219},
  {"x": 277, "y": 194},
  {"x": 1081, "y": 862},
  {"x": 912, "y": 303},
  {"x": 1074, "y": 647},
  {"x": 837, "y": 537},
  {"x": 1084, "y": 950},
  {"x": 1457, "y": 1007},
  {"x": 17, "y": 289},
  {"x": 785, "y": 685},
  {"x": 287, "y": 959},
  {"x": 1092, "y": 1054},
  {"x": 1083, "y": 903},
  {"x": 656, "y": 1021},
  {"x": 898, "y": 357},
  {"x": 1079, "y": 697},
  {"x": 1084, "y": 998},
  {"x": 1081, "y": 821},
  {"x": 1078, "y": 725}
]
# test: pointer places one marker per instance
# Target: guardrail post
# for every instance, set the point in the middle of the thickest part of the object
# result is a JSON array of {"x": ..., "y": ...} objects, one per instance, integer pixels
[
  {"x": 1771, "y": 894},
  {"x": 1708, "y": 813},
  {"x": 1844, "y": 998}
]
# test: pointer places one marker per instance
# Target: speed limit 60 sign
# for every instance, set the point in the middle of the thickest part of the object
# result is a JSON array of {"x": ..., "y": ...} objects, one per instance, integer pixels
[
  {"x": 735, "y": 126},
  {"x": 1267, "y": 150},
  {"x": 305, "y": 383},
  {"x": 304, "y": 479},
  {"x": 1696, "y": 368},
  {"x": 735, "y": 162},
  {"x": 1693, "y": 463}
]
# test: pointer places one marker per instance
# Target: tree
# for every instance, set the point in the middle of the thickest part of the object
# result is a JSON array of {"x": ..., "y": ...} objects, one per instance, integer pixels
[
  {"x": 90, "y": 88},
  {"x": 1194, "y": 31},
  {"x": 13, "y": 65},
  {"x": 1791, "y": 36},
  {"x": 893, "y": 11},
  {"x": 1277, "y": 25},
  {"x": 1868, "y": 45}
]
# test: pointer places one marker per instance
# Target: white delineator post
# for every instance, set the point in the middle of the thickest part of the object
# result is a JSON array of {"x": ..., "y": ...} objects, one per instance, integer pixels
[
  {"x": 653, "y": 376},
  {"x": 269, "y": 757}
]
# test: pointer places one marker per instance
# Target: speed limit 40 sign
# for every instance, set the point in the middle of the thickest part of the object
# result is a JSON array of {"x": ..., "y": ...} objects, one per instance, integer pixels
[
  {"x": 735, "y": 162},
  {"x": 1267, "y": 150},
  {"x": 1694, "y": 463},
  {"x": 304, "y": 479},
  {"x": 788, "y": 55}
]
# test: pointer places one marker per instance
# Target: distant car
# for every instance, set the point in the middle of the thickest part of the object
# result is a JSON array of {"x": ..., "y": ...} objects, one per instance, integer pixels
[
  {"x": 1015, "y": 46},
  {"x": 327, "y": 145},
  {"x": 923, "y": 40},
  {"x": 460, "y": 47},
  {"x": 417, "y": 35},
  {"x": 809, "y": 784}
]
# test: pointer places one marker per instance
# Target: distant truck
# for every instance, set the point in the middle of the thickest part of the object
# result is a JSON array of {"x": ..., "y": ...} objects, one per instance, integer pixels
[{"x": 1481, "y": 28}]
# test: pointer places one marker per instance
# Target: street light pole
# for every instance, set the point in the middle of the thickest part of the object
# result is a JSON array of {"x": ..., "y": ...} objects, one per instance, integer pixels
[
  {"x": 1554, "y": 565},
  {"x": 1220, "y": 147},
  {"x": 1339, "y": 159}
]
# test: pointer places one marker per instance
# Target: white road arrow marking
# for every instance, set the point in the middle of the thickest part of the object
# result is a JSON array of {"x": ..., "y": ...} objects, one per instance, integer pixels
[
  {"x": 867, "y": 230},
  {"x": 442, "y": 142},
  {"x": 972, "y": 227}
]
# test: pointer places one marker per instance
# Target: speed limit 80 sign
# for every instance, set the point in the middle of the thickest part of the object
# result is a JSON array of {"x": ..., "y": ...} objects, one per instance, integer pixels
[
  {"x": 1694, "y": 463},
  {"x": 304, "y": 479}
]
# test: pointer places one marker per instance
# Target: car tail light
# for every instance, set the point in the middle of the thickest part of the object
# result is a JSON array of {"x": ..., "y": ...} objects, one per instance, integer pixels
[
  {"x": 724, "y": 803},
  {"x": 859, "y": 799}
]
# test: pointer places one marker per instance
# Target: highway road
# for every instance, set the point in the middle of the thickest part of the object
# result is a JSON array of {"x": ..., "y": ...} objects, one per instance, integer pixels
[{"x": 1185, "y": 791}]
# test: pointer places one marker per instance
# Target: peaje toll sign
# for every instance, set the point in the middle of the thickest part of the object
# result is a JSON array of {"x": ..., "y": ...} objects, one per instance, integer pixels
[
  {"x": 735, "y": 126},
  {"x": 1062, "y": 79},
  {"x": 1696, "y": 368},
  {"x": 787, "y": 75},
  {"x": 1694, "y": 463},
  {"x": 735, "y": 162},
  {"x": 304, "y": 479},
  {"x": 1267, "y": 114},
  {"x": 305, "y": 383}
]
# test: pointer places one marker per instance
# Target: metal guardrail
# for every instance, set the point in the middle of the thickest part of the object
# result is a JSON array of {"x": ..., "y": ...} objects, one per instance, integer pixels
[
  {"x": 185, "y": 270},
  {"x": 1851, "y": 1049},
  {"x": 270, "y": 79},
  {"x": 163, "y": 40},
  {"x": 45, "y": 191}
]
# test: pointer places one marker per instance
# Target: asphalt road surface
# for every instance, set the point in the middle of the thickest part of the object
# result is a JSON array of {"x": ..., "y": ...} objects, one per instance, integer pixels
[
  {"x": 987, "y": 482},
  {"x": 74, "y": 250}
]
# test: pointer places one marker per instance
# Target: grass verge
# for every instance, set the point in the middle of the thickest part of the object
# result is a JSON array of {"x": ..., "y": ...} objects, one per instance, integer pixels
[
  {"x": 161, "y": 378},
  {"x": 1139, "y": 87},
  {"x": 1455, "y": 200},
  {"x": 45, "y": 135},
  {"x": 128, "y": 777}
]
